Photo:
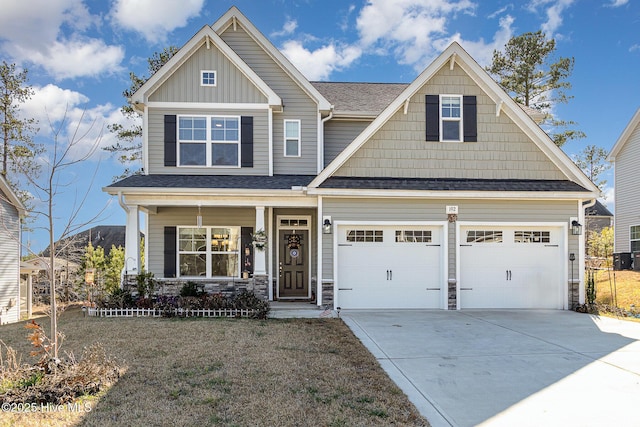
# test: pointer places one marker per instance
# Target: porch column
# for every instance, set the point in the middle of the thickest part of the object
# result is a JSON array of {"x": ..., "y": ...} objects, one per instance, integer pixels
[
  {"x": 259, "y": 261},
  {"x": 132, "y": 241}
]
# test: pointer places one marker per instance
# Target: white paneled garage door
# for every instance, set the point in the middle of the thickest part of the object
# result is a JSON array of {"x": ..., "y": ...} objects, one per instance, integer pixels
[
  {"x": 382, "y": 266},
  {"x": 512, "y": 267}
]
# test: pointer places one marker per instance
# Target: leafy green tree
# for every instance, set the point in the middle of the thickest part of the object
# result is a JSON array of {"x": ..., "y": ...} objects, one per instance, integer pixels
[
  {"x": 18, "y": 150},
  {"x": 129, "y": 145},
  {"x": 600, "y": 245},
  {"x": 113, "y": 268},
  {"x": 593, "y": 162},
  {"x": 527, "y": 72}
]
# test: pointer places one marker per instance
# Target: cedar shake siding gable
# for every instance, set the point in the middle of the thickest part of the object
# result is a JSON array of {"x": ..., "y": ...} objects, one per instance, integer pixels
[{"x": 500, "y": 149}]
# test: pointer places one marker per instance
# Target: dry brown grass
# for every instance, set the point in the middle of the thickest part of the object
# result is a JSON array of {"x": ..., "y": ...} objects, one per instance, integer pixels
[
  {"x": 228, "y": 372},
  {"x": 626, "y": 289}
]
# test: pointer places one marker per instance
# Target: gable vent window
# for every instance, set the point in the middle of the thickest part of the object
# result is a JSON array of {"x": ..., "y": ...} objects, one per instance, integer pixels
[
  {"x": 208, "y": 78},
  {"x": 451, "y": 118}
]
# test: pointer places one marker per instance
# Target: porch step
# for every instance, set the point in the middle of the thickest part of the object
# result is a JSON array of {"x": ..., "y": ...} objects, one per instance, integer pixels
[{"x": 289, "y": 310}]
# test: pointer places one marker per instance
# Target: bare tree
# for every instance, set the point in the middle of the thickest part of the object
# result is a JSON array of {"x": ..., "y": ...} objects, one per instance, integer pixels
[{"x": 51, "y": 184}]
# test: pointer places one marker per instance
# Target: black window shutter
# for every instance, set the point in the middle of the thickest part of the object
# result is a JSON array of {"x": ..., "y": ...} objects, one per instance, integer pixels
[
  {"x": 433, "y": 118},
  {"x": 170, "y": 145},
  {"x": 170, "y": 251},
  {"x": 246, "y": 141},
  {"x": 470, "y": 113},
  {"x": 246, "y": 253}
]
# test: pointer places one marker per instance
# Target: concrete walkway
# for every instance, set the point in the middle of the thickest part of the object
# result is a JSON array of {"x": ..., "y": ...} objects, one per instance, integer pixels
[{"x": 508, "y": 368}]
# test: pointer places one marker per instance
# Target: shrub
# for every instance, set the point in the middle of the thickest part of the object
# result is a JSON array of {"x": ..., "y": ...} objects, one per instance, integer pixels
[
  {"x": 249, "y": 301},
  {"x": 191, "y": 289},
  {"x": 146, "y": 284}
]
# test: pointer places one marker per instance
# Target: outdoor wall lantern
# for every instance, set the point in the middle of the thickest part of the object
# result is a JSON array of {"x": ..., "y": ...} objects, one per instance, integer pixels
[
  {"x": 326, "y": 225},
  {"x": 576, "y": 228}
]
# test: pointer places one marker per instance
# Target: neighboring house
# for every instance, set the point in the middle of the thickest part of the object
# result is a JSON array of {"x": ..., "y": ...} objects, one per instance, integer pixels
[
  {"x": 625, "y": 156},
  {"x": 598, "y": 217},
  {"x": 442, "y": 193},
  {"x": 11, "y": 210}
]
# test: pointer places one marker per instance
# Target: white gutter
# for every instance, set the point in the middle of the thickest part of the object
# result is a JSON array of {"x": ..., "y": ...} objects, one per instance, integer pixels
[
  {"x": 121, "y": 202},
  {"x": 321, "y": 139}
]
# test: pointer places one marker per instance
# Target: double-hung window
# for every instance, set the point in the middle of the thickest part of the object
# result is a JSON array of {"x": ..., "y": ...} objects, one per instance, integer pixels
[
  {"x": 209, "y": 251},
  {"x": 634, "y": 238},
  {"x": 292, "y": 138},
  {"x": 209, "y": 141},
  {"x": 451, "y": 117}
]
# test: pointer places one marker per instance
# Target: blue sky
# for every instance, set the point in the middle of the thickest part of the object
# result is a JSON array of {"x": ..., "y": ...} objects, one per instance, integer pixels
[{"x": 79, "y": 54}]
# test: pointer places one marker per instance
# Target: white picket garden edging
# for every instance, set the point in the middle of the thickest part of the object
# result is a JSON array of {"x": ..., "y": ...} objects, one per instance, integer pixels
[{"x": 176, "y": 312}]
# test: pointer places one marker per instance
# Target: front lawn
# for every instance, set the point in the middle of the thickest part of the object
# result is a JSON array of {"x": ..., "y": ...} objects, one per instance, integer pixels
[
  {"x": 231, "y": 372},
  {"x": 624, "y": 284}
]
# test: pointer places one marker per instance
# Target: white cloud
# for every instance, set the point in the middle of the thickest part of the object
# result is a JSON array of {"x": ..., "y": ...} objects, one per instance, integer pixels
[
  {"x": 320, "y": 63},
  {"x": 554, "y": 10},
  {"x": 634, "y": 47},
  {"x": 617, "y": 3},
  {"x": 76, "y": 58},
  {"x": 32, "y": 32},
  {"x": 153, "y": 19},
  {"x": 288, "y": 28},
  {"x": 609, "y": 198},
  {"x": 480, "y": 50},
  {"x": 66, "y": 112}
]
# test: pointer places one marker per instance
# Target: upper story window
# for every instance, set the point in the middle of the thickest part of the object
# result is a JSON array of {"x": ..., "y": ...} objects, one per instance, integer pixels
[
  {"x": 634, "y": 238},
  {"x": 208, "y": 78},
  {"x": 209, "y": 141},
  {"x": 292, "y": 138},
  {"x": 451, "y": 117}
]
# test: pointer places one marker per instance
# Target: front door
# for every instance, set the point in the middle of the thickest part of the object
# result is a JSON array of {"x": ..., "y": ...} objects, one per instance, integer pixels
[{"x": 294, "y": 264}]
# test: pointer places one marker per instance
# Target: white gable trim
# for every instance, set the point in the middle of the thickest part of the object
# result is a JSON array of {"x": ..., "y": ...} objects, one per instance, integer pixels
[
  {"x": 626, "y": 134},
  {"x": 456, "y": 53},
  {"x": 11, "y": 197},
  {"x": 205, "y": 36},
  {"x": 234, "y": 17}
]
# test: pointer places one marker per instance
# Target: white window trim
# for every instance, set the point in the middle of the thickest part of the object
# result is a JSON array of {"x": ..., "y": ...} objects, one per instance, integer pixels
[
  {"x": 284, "y": 137},
  {"x": 208, "y": 252},
  {"x": 459, "y": 120},
  {"x": 630, "y": 234},
  {"x": 208, "y": 141},
  {"x": 215, "y": 78}
]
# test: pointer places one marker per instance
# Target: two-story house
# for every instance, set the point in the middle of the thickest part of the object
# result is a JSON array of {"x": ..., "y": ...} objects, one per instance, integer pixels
[
  {"x": 11, "y": 210},
  {"x": 625, "y": 156},
  {"x": 442, "y": 193}
]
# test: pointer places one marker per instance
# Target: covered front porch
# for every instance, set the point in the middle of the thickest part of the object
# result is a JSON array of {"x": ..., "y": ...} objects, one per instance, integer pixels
[{"x": 225, "y": 245}]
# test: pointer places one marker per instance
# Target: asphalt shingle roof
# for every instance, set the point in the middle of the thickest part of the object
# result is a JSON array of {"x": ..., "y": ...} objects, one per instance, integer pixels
[
  {"x": 251, "y": 182},
  {"x": 598, "y": 210},
  {"x": 451, "y": 184},
  {"x": 360, "y": 97}
]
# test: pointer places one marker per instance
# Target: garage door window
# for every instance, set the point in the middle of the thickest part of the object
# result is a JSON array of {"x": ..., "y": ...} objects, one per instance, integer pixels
[
  {"x": 413, "y": 236},
  {"x": 532, "y": 237},
  {"x": 364, "y": 235},
  {"x": 484, "y": 236}
]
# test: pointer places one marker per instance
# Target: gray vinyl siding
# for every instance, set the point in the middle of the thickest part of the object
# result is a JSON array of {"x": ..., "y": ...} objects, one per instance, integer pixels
[
  {"x": 9, "y": 261},
  {"x": 338, "y": 134},
  {"x": 627, "y": 182},
  {"x": 260, "y": 143},
  {"x": 178, "y": 216},
  {"x": 231, "y": 84},
  {"x": 297, "y": 104},
  {"x": 399, "y": 148},
  {"x": 434, "y": 210}
]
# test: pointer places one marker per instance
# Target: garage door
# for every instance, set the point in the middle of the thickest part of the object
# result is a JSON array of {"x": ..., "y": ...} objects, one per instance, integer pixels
[
  {"x": 390, "y": 267},
  {"x": 512, "y": 267}
]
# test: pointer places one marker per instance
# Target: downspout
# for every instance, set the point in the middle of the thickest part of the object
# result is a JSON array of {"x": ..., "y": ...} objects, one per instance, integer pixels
[
  {"x": 121, "y": 202},
  {"x": 126, "y": 209},
  {"x": 321, "y": 140}
]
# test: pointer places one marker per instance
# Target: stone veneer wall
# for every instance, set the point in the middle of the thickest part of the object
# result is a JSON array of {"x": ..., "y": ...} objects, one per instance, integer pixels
[{"x": 227, "y": 287}]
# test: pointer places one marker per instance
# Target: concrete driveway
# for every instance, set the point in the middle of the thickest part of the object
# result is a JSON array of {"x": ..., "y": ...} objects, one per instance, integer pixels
[{"x": 508, "y": 367}]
